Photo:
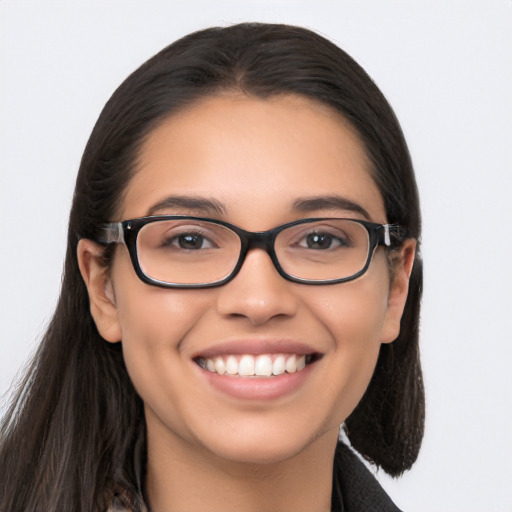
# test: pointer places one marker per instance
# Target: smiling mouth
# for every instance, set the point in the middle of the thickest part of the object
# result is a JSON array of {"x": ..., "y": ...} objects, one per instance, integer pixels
[{"x": 262, "y": 365}]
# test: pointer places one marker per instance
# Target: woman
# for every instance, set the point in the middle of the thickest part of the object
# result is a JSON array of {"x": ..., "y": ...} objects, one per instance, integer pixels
[{"x": 242, "y": 277}]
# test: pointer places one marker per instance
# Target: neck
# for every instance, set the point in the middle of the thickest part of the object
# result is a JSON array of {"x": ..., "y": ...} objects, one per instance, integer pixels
[{"x": 182, "y": 476}]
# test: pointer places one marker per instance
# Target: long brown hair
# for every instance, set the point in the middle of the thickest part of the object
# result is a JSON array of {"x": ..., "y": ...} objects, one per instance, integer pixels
[{"x": 68, "y": 439}]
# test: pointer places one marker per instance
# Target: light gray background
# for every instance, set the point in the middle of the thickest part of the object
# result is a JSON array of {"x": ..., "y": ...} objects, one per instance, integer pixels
[{"x": 446, "y": 67}]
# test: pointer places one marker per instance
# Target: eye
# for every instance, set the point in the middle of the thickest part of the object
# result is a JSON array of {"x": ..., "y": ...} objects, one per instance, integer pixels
[
  {"x": 189, "y": 241},
  {"x": 322, "y": 241}
]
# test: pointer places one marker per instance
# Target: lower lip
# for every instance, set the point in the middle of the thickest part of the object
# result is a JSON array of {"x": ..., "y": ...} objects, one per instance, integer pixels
[{"x": 257, "y": 388}]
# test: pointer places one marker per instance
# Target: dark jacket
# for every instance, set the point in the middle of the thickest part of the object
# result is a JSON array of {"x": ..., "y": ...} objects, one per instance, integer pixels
[{"x": 355, "y": 489}]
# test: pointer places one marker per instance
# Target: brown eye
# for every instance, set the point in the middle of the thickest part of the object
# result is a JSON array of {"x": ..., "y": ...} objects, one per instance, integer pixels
[
  {"x": 319, "y": 241},
  {"x": 323, "y": 241},
  {"x": 192, "y": 241}
]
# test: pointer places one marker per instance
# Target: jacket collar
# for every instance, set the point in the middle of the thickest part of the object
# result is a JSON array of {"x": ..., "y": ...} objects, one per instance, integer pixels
[{"x": 355, "y": 489}]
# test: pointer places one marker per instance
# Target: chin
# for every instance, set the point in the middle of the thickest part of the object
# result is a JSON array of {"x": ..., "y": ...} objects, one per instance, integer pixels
[
  {"x": 267, "y": 448},
  {"x": 252, "y": 455}
]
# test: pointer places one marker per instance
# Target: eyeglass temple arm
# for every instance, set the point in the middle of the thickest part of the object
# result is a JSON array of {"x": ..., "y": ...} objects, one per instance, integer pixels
[
  {"x": 387, "y": 236},
  {"x": 112, "y": 233},
  {"x": 393, "y": 235}
]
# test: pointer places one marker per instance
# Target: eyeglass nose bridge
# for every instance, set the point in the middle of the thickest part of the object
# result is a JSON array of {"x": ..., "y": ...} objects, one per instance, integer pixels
[{"x": 263, "y": 240}]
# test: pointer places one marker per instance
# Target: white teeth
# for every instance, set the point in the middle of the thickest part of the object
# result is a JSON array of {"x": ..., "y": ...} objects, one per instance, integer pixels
[
  {"x": 247, "y": 365},
  {"x": 263, "y": 366},
  {"x": 279, "y": 365},
  {"x": 232, "y": 365},
  {"x": 220, "y": 365},
  {"x": 291, "y": 364}
]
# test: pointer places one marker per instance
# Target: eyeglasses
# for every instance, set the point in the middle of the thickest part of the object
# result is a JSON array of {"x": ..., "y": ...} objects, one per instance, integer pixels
[{"x": 175, "y": 251}]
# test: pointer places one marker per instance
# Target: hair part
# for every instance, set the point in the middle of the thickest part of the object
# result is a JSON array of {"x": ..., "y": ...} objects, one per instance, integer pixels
[{"x": 68, "y": 439}]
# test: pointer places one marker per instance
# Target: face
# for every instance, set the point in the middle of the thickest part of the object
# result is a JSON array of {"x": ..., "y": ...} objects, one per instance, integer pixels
[{"x": 256, "y": 161}]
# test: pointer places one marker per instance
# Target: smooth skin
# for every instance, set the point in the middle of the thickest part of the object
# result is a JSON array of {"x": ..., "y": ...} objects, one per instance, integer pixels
[{"x": 255, "y": 158}]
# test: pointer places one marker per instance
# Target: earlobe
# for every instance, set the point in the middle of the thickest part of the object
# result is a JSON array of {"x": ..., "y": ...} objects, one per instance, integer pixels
[
  {"x": 100, "y": 289},
  {"x": 404, "y": 261}
]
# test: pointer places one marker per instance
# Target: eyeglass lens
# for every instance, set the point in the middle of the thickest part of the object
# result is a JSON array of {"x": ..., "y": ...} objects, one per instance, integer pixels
[{"x": 188, "y": 251}]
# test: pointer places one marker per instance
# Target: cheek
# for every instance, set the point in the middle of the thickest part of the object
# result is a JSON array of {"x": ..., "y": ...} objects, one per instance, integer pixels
[
  {"x": 355, "y": 312},
  {"x": 354, "y": 315},
  {"x": 152, "y": 318},
  {"x": 153, "y": 329},
  {"x": 148, "y": 315},
  {"x": 153, "y": 323}
]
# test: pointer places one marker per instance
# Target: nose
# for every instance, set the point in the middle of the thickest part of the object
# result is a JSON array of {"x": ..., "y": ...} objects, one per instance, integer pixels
[{"x": 258, "y": 293}]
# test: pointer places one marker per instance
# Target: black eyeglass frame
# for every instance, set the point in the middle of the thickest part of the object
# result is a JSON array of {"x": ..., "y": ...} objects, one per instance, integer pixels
[{"x": 126, "y": 231}]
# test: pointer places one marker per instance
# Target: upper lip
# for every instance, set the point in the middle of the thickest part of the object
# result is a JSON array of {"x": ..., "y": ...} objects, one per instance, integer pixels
[{"x": 255, "y": 347}]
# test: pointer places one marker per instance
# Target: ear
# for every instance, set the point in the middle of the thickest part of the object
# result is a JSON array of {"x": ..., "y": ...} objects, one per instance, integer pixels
[
  {"x": 100, "y": 289},
  {"x": 403, "y": 260}
]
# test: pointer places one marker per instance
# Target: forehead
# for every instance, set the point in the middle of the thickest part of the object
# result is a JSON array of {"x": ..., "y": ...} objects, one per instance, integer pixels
[{"x": 253, "y": 155}]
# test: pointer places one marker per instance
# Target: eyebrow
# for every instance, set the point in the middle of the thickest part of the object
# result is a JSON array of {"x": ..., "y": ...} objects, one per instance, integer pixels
[
  {"x": 200, "y": 205},
  {"x": 331, "y": 202},
  {"x": 205, "y": 206}
]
